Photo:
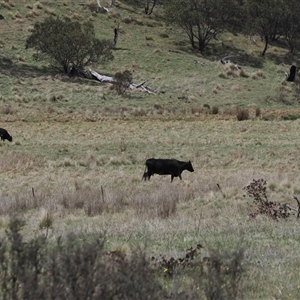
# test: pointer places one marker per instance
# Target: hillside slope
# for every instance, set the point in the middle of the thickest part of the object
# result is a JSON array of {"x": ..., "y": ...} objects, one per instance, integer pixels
[{"x": 184, "y": 80}]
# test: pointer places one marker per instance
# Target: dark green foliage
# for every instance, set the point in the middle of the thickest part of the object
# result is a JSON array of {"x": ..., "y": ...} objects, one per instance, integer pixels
[
  {"x": 67, "y": 44},
  {"x": 122, "y": 81}
]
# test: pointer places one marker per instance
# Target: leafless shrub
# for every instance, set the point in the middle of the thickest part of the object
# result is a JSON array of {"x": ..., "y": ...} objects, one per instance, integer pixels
[{"x": 257, "y": 189}]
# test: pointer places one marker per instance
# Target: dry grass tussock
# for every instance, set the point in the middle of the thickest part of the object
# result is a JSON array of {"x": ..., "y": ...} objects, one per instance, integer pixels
[
  {"x": 158, "y": 203},
  {"x": 19, "y": 162}
]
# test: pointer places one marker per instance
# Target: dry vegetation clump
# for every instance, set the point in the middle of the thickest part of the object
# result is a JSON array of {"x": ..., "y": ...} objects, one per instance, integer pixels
[
  {"x": 218, "y": 88},
  {"x": 162, "y": 203},
  {"x": 257, "y": 112},
  {"x": 218, "y": 275},
  {"x": 7, "y": 110},
  {"x": 91, "y": 5},
  {"x": 257, "y": 189},
  {"x": 215, "y": 110},
  {"x": 37, "y": 5},
  {"x": 20, "y": 162},
  {"x": 82, "y": 267},
  {"x": 72, "y": 268},
  {"x": 258, "y": 74},
  {"x": 8, "y": 4},
  {"x": 222, "y": 75},
  {"x": 14, "y": 204},
  {"x": 139, "y": 112},
  {"x": 197, "y": 110},
  {"x": 242, "y": 73},
  {"x": 122, "y": 81},
  {"x": 94, "y": 201},
  {"x": 242, "y": 114}
]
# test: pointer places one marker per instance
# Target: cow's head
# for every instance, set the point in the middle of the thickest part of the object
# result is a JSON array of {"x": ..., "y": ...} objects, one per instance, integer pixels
[{"x": 189, "y": 166}]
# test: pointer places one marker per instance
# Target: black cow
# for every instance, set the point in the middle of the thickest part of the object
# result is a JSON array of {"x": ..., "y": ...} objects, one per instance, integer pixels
[
  {"x": 171, "y": 167},
  {"x": 291, "y": 76},
  {"x": 5, "y": 135}
]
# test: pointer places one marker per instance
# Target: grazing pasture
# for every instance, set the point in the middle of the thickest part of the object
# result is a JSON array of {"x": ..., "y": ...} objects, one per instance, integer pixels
[{"x": 87, "y": 176}]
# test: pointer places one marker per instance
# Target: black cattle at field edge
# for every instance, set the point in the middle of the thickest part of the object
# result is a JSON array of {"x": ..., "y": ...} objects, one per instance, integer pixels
[
  {"x": 171, "y": 167},
  {"x": 5, "y": 135},
  {"x": 291, "y": 76}
]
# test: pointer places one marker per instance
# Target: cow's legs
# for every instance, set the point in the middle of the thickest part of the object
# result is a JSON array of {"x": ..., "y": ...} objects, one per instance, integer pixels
[{"x": 146, "y": 175}]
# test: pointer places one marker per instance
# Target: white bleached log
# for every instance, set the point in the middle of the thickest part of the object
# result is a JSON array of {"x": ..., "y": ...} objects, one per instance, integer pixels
[{"x": 132, "y": 86}]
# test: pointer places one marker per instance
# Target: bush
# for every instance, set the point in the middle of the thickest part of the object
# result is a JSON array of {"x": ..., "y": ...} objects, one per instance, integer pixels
[
  {"x": 71, "y": 269},
  {"x": 66, "y": 44},
  {"x": 242, "y": 114},
  {"x": 220, "y": 275},
  {"x": 215, "y": 110},
  {"x": 122, "y": 81},
  {"x": 257, "y": 189}
]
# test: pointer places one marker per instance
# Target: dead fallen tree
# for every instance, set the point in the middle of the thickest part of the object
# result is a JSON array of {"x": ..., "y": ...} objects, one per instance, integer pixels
[{"x": 132, "y": 86}]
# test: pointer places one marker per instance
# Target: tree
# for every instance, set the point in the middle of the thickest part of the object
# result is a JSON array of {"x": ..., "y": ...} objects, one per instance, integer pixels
[
  {"x": 201, "y": 20},
  {"x": 290, "y": 26},
  {"x": 148, "y": 9},
  {"x": 68, "y": 44},
  {"x": 265, "y": 17}
]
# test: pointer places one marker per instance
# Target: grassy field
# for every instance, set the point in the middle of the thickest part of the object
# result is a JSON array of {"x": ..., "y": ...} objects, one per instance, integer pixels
[{"x": 79, "y": 148}]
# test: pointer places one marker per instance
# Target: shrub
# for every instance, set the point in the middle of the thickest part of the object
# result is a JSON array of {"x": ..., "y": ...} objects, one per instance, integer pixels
[
  {"x": 122, "y": 81},
  {"x": 220, "y": 275},
  {"x": 257, "y": 190},
  {"x": 257, "y": 112},
  {"x": 72, "y": 268},
  {"x": 67, "y": 44},
  {"x": 242, "y": 114},
  {"x": 215, "y": 110}
]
